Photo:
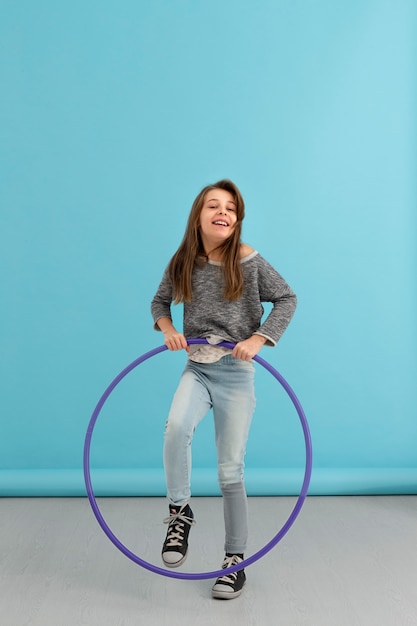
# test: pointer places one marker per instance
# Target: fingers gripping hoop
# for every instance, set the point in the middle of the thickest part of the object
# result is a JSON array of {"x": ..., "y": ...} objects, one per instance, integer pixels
[{"x": 263, "y": 551}]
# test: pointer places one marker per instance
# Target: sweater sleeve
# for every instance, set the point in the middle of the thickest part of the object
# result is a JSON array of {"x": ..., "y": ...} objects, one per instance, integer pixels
[
  {"x": 274, "y": 289},
  {"x": 161, "y": 303}
]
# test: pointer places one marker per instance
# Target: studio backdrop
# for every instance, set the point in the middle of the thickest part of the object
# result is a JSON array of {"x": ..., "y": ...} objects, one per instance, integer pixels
[{"x": 113, "y": 116}]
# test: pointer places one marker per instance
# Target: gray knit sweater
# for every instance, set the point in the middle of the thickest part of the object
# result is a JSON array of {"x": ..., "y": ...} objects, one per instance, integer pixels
[{"x": 209, "y": 313}]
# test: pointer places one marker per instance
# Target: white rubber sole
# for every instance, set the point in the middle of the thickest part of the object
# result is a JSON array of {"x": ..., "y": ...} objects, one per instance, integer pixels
[
  {"x": 225, "y": 593},
  {"x": 176, "y": 564}
]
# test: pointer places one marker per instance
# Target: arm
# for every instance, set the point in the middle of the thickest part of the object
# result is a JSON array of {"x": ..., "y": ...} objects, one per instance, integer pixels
[
  {"x": 273, "y": 288},
  {"x": 161, "y": 313}
]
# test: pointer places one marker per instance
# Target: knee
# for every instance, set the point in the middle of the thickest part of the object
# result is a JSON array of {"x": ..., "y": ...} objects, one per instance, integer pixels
[
  {"x": 177, "y": 432},
  {"x": 230, "y": 474}
]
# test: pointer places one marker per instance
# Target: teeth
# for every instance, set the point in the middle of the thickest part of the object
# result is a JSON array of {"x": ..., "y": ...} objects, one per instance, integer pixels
[{"x": 221, "y": 223}]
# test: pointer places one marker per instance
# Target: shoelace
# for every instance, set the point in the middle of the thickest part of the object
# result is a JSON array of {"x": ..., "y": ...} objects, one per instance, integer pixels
[
  {"x": 228, "y": 562},
  {"x": 176, "y": 528}
]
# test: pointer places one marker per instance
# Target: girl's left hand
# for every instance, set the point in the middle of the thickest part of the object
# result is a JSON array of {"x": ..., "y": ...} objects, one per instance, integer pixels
[{"x": 247, "y": 349}]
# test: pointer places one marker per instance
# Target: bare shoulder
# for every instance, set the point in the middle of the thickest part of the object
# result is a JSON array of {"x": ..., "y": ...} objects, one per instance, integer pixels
[{"x": 245, "y": 250}]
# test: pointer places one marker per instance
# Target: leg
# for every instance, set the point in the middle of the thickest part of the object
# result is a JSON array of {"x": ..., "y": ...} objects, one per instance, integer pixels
[
  {"x": 233, "y": 415},
  {"x": 233, "y": 406},
  {"x": 235, "y": 507},
  {"x": 190, "y": 404}
]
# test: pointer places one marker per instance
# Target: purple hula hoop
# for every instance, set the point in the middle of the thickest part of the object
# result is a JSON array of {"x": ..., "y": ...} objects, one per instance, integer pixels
[{"x": 202, "y": 575}]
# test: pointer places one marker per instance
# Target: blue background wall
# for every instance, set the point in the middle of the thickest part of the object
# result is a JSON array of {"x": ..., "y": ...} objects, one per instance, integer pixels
[{"x": 113, "y": 116}]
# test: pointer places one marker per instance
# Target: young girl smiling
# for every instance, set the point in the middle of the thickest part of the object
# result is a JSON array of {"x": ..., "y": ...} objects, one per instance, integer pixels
[{"x": 222, "y": 283}]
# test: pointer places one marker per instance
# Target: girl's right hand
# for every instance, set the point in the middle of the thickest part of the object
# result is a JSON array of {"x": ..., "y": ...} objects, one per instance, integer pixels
[{"x": 175, "y": 340}]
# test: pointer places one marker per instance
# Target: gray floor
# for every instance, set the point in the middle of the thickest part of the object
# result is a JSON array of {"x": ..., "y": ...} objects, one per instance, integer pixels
[{"x": 347, "y": 561}]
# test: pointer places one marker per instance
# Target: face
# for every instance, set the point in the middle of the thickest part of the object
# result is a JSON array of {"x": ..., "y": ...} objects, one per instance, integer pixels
[{"x": 217, "y": 218}]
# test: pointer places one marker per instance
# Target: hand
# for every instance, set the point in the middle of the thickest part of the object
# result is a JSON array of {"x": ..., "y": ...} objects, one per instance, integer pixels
[
  {"x": 247, "y": 349},
  {"x": 175, "y": 340}
]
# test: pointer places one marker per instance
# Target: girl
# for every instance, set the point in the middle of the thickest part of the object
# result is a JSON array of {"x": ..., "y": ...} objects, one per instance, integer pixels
[{"x": 221, "y": 282}]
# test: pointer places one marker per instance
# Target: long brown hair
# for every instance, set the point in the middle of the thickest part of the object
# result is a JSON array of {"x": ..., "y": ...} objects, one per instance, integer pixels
[{"x": 191, "y": 250}]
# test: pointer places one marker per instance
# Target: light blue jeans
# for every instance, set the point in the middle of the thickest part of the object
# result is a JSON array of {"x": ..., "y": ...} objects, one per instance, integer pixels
[{"x": 227, "y": 387}]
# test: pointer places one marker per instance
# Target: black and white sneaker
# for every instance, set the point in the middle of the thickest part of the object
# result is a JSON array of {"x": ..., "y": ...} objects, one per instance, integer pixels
[
  {"x": 231, "y": 585},
  {"x": 175, "y": 548}
]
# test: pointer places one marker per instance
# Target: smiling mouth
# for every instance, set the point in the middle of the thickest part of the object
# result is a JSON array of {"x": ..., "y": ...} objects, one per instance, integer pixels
[{"x": 220, "y": 223}]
